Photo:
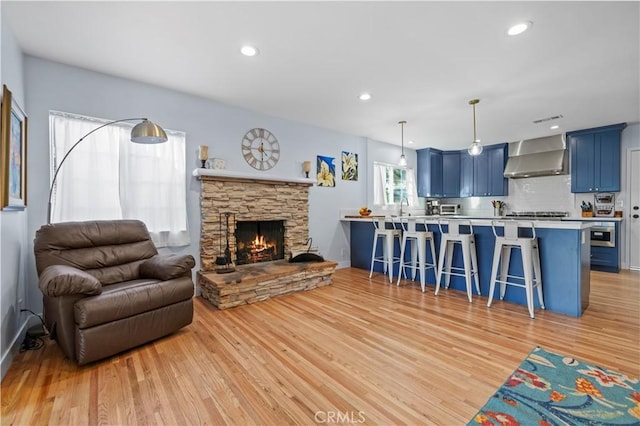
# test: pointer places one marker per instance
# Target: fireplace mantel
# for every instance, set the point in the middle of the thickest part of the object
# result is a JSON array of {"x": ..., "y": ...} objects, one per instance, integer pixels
[{"x": 214, "y": 174}]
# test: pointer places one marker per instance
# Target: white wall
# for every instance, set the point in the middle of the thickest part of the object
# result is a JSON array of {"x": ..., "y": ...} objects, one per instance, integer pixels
[{"x": 13, "y": 224}]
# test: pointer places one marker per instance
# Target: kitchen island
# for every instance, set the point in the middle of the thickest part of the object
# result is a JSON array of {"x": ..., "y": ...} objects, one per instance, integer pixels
[{"x": 564, "y": 257}]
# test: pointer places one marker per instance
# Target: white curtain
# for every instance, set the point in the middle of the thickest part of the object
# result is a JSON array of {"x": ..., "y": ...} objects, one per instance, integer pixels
[
  {"x": 379, "y": 184},
  {"x": 109, "y": 177},
  {"x": 412, "y": 188}
]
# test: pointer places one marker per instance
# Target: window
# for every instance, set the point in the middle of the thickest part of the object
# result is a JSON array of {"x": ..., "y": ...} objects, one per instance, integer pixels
[
  {"x": 109, "y": 177},
  {"x": 393, "y": 184}
]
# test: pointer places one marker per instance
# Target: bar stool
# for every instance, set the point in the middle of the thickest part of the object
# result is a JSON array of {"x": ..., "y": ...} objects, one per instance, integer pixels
[
  {"x": 530, "y": 261},
  {"x": 388, "y": 236},
  {"x": 418, "y": 243},
  {"x": 469, "y": 257}
]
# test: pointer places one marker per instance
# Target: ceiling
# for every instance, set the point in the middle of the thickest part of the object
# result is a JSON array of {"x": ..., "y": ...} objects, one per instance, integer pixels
[{"x": 421, "y": 61}]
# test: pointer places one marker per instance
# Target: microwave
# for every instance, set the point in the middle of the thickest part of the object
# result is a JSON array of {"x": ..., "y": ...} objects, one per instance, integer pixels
[
  {"x": 449, "y": 209},
  {"x": 603, "y": 235}
]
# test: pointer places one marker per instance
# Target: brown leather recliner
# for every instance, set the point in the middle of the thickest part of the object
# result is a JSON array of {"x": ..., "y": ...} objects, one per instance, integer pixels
[{"x": 106, "y": 289}]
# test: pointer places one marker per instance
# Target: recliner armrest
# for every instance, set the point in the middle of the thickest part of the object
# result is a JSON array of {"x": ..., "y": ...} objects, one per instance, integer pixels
[
  {"x": 62, "y": 280},
  {"x": 166, "y": 266}
]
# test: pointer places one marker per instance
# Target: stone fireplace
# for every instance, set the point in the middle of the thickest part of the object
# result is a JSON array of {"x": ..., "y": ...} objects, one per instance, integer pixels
[
  {"x": 274, "y": 210},
  {"x": 251, "y": 200}
]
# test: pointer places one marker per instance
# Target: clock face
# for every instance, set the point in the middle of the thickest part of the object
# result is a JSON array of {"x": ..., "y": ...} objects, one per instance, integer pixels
[{"x": 260, "y": 149}]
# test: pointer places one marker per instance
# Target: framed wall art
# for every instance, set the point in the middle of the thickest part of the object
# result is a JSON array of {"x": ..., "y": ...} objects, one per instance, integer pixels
[
  {"x": 326, "y": 171},
  {"x": 13, "y": 154},
  {"x": 349, "y": 165}
]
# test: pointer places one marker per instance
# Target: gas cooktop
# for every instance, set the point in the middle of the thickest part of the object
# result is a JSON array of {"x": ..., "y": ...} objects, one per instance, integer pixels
[{"x": 538, "y": 215}]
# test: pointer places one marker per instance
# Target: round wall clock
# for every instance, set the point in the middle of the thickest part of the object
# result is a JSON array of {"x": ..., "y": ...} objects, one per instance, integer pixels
[{"x": 260, "y": 149}]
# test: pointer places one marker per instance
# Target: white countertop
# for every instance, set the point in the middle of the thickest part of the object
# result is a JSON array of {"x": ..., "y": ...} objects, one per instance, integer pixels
[
  {"x": 595, "y": 219},
  {"x": 564, "y": 223}
]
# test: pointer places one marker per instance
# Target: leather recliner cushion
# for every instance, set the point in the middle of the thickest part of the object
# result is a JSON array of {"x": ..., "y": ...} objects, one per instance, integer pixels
[
  {"x": 167, "y": 266},
  {"x": 130, "y": 298},
  {"x": 63, "y": 280},
  {"x": 111, "y": 251}
]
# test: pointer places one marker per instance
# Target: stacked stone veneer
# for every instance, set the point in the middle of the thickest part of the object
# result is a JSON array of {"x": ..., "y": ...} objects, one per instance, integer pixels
[
  {"x": 261, "y": 281},
  {"x": 250, "y": 199}
]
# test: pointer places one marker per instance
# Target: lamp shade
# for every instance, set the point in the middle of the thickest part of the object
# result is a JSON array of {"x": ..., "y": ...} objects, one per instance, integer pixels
[{"x": 147, "y": 132}]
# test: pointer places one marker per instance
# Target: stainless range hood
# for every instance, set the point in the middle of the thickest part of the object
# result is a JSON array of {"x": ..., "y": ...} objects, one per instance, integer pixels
[{"x": 537, "y": 157}]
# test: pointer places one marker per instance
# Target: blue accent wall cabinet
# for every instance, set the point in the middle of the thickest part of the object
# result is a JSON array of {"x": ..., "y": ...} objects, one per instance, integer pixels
[{"x": 595, "y": 159}]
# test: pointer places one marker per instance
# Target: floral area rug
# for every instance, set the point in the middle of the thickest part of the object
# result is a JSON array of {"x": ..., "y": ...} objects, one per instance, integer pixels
[{"x": 551, "y": 389}]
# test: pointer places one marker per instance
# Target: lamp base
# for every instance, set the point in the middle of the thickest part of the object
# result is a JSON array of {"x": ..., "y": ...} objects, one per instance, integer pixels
[{"x": 204, "y": 164}]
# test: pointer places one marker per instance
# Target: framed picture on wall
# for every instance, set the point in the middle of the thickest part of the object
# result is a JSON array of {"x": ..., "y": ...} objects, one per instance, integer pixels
[{"x": 13, "y": 154}]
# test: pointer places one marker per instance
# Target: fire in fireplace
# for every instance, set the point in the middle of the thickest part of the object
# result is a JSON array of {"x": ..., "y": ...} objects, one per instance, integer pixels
[{"x": 259, "y": 241}]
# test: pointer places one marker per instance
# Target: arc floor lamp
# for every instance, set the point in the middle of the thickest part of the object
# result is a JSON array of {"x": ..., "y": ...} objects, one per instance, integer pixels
[{"x": 145, "y": 132}]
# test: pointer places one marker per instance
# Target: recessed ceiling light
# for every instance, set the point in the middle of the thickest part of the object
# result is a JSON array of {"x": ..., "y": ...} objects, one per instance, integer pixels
[
  {"x": 364, "y": 96},
  {"x": 555, "y": 126},
  {"x": 519, "y": 28},
  {"x": 410, "y": 142},
  {"x": 248, "y": 50}
]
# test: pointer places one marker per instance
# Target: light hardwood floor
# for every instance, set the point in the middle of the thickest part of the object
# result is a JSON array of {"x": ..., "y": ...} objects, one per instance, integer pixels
[{"x": 357, "y": 351}]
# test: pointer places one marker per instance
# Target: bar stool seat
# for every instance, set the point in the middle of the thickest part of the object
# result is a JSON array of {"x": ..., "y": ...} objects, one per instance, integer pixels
[
  {"x": 528, "y": 246},
  {"x": 387, "y": 234},
  {"x": 469, "y": 257},
  {"x": 417, "y": 241}
]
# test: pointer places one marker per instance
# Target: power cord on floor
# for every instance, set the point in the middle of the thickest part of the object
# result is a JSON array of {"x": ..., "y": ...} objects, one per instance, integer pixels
[{"x": 34, "y": 338}]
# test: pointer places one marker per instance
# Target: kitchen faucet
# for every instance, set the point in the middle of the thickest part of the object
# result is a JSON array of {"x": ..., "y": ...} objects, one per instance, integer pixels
[{"x": 402, "y": 201}]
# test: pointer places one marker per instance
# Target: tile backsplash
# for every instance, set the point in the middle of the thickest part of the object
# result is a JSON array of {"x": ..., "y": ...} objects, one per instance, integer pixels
[{"x": 545, "y": 193}]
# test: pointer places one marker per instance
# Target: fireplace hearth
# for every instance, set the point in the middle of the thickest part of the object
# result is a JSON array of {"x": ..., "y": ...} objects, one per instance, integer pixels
[{"x": 259, "y": 241}]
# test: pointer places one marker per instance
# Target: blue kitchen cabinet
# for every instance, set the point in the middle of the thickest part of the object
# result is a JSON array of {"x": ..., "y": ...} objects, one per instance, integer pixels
[
  {"x": 466, "y": 174},
  {"x": 429, "y": 172},
  {"x": 451, "y": 174},
  {"x": 607, "y": 259},
  {"x": 455, "y": 174},
  {"x": 488, "y": 172},
  {"x": 595, "y": 159}
]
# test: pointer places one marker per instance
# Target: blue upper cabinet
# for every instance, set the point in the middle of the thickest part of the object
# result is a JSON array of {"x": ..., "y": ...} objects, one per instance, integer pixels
[
  {"x": 429, "y": 172},
  {"x": 488, "y": 171},
  {"x": 455, "y": 174},
  {"x": 451, "y": 174},
  {"x": 595, "y": 159},
  {"x": 466, "y": 174}
]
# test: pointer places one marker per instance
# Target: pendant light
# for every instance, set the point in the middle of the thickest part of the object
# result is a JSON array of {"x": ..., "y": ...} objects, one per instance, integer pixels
[
  {"x": 475, "y": 148},
  {"x": 403, "y": 159}
]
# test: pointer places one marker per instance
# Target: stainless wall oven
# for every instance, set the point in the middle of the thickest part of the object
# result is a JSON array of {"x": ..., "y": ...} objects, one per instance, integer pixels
[{"x": 603, "y": 235}]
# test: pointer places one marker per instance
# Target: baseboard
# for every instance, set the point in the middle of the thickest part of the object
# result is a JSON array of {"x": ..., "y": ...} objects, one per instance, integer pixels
[
  {"x": 344, "y": 264},
  {"x": 14, "y": 348}
]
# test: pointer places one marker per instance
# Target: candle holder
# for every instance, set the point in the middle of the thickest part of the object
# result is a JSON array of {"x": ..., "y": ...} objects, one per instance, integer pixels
[{"x": 204, "y": 155}]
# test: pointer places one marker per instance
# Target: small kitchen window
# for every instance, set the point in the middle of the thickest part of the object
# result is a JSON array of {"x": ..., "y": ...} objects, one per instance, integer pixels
[{"x": 393, "y": 184}]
